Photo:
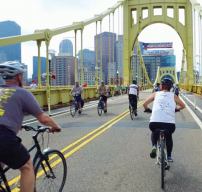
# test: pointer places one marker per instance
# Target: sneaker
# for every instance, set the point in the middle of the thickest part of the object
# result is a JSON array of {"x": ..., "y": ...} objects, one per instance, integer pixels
[
  {"x": 170, "y": 159},
  {"x": 135, "y": 113},
  {"x": 153, "y": 153},
  {"x": 105, "y": 111}
]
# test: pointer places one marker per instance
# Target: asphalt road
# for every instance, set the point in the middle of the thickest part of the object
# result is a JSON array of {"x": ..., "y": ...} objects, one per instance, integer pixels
[{"x": 116, "y": 157}]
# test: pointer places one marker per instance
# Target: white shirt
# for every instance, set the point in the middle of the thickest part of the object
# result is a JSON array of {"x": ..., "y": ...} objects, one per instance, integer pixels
[
  {"x": 133, "y": 89},
  {"x": 33, "y": 86},
  {"x": 163, "y": 108}
]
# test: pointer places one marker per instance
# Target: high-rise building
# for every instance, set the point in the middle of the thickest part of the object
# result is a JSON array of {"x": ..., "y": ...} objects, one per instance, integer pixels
[
  {"x": 88, "y": 55},
  {"x": 105, "y": 51},
  {"x": 119, "y": 55},
  {"x": 64, "y": 69},
  {"x": 66, "y": 46},
  {"x": 152, "y": 62},
  {"x": 10, "y": 52},
  {"x": 25, "y": 76},
  {"x": 35, "y": 66}
]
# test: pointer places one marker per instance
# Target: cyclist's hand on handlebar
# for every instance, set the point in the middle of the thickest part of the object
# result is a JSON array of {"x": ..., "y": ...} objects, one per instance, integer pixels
[
  {"x": 55, "y": 129},
  {"x": 177, "y": 110},
  {"x": 148, "y": 110}
]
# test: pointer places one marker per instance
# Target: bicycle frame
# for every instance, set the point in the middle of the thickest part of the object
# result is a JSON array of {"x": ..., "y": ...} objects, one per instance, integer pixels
[
  {"x": 102, "y": 101},
  {"x": 37, "y": 155}
]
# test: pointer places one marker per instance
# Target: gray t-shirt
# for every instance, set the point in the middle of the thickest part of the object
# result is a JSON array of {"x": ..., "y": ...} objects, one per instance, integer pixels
[
  {"x": 75, "y": 89},
  {"x": 14, "y": 102}
]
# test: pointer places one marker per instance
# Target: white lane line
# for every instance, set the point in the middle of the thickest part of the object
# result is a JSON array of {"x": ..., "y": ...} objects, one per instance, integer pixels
[
  {"x": 193, "y": 104},
  {"x": 193, "y": 115},
  {"x": 69, "y": 111}
]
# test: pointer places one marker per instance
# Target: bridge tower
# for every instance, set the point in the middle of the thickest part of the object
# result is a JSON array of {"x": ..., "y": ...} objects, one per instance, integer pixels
[{"x": 135, "y": 22}]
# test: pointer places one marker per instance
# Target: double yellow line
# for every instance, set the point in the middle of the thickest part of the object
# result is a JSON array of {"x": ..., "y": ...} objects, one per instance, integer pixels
[{"x": 86, "y": 139}]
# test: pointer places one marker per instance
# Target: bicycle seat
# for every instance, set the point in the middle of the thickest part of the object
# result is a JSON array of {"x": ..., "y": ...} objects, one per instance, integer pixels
[{"x": 165, "y": 131}]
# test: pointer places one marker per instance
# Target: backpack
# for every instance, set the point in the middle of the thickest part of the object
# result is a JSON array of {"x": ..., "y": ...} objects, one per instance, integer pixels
[
  {"x": 156, "y": 89},
  {"x": 176, "y": 91}
]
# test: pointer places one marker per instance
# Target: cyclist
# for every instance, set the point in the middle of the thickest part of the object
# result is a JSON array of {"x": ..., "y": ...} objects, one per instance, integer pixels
[
  {"x": 133, "y": 94},
  {"x": 14, "y": 102},
  {"x": 163, "y": 115},
  {"x": 156, "y": 88},
  {"x": 78, "y": 90},
  {"x": 176, "y": 90},
  {"x": 102, "y": 89}
]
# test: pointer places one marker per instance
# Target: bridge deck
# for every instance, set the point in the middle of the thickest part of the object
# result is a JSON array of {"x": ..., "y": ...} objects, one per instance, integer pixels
[{"x": 116, "y": 157}]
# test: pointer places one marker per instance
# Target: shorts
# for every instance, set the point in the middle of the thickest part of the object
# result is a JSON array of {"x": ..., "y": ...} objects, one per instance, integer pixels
[
  {"x": 78, "y": 98},
  {"x": 104, "y": 98},
  {"x": 12, "y": 152}
]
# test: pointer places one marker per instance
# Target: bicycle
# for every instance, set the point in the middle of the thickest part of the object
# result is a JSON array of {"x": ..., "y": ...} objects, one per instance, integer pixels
[
  {"x": 162, "y": 158},
  {"x": 74, "y": 106},
  {"x": 44, "y": 163},
  {"x": 101, "y": 105},
  {"x": 133, "y": 112}
]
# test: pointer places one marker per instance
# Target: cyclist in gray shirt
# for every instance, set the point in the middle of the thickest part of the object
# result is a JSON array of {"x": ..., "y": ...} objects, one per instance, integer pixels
[
  {"x": 14, "y": 102},
  {"x": 78, "y": 90}
]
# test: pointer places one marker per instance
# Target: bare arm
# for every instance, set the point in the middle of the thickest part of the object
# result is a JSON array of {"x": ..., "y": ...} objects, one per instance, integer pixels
[
  {"x": 179, "y": 102},
  {"x": 48, "y": 121},
  {"x": 149, "y": 100}
]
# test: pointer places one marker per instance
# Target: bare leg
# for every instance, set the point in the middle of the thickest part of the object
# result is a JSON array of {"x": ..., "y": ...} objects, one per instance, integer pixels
[{"x": 27, "y": 181}]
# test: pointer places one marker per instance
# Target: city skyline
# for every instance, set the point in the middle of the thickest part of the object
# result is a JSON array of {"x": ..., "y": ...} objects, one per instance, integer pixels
[{"x": 50, "y": 16}]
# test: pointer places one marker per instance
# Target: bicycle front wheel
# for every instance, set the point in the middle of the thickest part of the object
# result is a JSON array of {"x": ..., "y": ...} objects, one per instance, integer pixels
[
  {"x": 99, "y": 109},
  {"x": 50, "y": 173},
  {"x": 73, "y": 109},
  {"x": 162, "y": 164}
]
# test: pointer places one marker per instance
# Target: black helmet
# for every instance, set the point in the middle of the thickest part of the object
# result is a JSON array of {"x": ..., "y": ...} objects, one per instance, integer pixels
[
  {"x": 134, "y": 82},
  {"x": 167, "y": 83}
]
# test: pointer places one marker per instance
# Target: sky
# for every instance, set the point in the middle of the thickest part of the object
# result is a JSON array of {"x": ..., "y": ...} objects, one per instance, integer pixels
[{"x": 50, "y": 14}]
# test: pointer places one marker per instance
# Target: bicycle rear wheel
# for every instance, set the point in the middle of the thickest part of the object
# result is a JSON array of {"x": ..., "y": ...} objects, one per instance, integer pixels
[
  {"x": 162, "y": 164},
  {"x": 73, "y": 109},
  {"x": 99, "y": 109},
  {"x": 51, "y": 177},
  {"x": 132, "y": 115}
]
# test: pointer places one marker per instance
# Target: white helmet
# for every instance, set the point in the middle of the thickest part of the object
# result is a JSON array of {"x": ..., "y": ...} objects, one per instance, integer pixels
[{"x": 10, "y": 69}]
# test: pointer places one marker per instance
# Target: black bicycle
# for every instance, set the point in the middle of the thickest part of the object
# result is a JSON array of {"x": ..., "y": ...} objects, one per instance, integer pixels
[
  {"x": 48, "y": 176},
  {"x": 74, "y": 106},
  {"x": 101, "y": 105},
  {"x": 133, "y": 112},
  {"x": 162, "y": 158}
]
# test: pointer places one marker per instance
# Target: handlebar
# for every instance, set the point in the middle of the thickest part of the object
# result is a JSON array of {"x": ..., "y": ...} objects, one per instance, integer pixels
[{"x": 39, "y": 129}]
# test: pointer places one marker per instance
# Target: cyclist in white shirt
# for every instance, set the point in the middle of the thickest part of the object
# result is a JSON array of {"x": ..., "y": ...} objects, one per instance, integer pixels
[
  {"x": 163, "y": 115},
  {"x": 133, "y": 93},
  {"x": 33, "y": 85}
]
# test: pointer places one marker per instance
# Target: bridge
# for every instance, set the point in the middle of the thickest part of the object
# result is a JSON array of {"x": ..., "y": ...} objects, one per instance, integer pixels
[{"x": 111, "y": 152}]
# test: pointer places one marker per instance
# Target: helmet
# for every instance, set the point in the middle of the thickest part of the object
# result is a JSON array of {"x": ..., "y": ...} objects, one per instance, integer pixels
[
  {"x": 167, "y": 83},
  {"x": 32, "y": 81},
  {"x": 102, "y": 81},
  {"x": 10, "y": 69},
  {"x": 134, "y": 82}
]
